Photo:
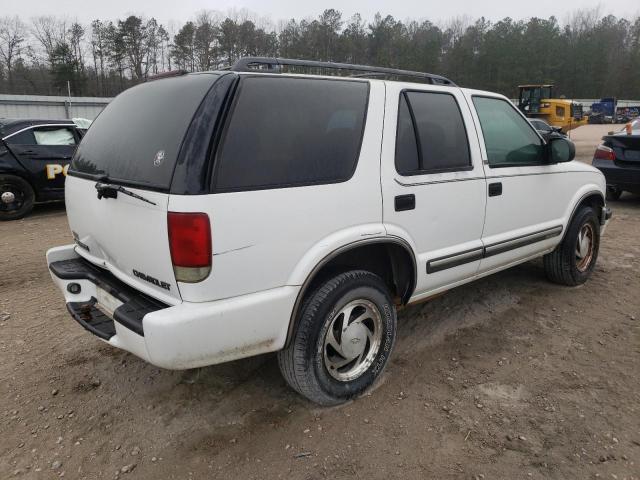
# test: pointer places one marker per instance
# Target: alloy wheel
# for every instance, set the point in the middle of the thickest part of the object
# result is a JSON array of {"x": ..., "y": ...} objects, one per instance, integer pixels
[
  {"x": 585, "y": 247},
  {"x": 352, "y": 340}
]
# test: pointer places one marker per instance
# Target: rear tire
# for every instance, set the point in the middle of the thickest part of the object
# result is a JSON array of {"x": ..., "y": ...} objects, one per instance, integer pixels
[
  {"x": 16, "y": 197},
  {"x": 573, "y": 261},
  {"x": 344, "y": 337}
]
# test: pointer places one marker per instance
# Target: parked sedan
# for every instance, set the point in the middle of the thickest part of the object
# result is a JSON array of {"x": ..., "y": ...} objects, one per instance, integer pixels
[
  {"x": 618, "y": 157},
  {"x": 545, "y": 129},
  {"x": 34, "y": 158}
]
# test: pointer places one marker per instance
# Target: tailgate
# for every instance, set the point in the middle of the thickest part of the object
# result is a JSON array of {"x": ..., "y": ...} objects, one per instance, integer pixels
[
  {"x": 125, "y": 235},
  {"x": 132, "y": 148}
]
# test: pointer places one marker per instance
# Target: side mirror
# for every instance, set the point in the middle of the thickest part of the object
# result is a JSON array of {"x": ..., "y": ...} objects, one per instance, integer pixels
[{"x": 560, "y": 150}]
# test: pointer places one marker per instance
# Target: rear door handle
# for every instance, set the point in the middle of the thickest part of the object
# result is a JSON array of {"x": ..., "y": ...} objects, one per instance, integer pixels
[
  {"x": 495, "y": 189},
  {"x": 405, "y": 202}
]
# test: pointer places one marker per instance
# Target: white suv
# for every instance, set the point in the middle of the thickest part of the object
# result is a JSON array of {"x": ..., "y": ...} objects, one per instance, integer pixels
[{"x": 227, "y": 214}]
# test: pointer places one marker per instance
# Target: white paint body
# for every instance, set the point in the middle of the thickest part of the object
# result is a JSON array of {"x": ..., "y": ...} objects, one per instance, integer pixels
[{"x": 266, "y": 243}]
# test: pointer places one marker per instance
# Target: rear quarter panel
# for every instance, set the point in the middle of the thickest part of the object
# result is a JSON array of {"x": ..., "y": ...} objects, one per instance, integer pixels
[{"x": 265, "y": 239}]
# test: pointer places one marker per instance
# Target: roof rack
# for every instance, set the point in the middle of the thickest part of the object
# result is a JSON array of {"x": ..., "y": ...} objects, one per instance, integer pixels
[{"x": 275, "y": 65}]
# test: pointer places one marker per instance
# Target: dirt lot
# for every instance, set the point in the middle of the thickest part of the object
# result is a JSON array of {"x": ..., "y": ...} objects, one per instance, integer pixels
[{"x": 509, "y": 377}]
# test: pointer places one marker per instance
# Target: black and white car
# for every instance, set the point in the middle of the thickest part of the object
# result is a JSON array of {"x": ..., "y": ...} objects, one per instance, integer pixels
[
  {"x": 226, "y": 214},
  {"x": 34, "y": 158}
]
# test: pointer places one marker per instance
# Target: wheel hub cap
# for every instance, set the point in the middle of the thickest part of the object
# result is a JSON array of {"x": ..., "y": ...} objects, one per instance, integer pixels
[
  {"x": 352, "y": 340},
  {"x": 8, "y": 197},
  {"x": 584, "y": 247}
]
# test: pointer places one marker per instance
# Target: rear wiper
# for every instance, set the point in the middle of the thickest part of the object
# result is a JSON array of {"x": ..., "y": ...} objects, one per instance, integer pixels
[{"x": 107, "y": 190}]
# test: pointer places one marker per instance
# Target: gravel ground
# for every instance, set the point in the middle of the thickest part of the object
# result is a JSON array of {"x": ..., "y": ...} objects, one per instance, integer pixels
[{"x": 508, "y": 377}]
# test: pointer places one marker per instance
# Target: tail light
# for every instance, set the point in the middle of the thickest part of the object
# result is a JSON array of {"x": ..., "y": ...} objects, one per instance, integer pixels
[
  {"x": 604, "y": 153},
  {"x": 190, "y": 245}
]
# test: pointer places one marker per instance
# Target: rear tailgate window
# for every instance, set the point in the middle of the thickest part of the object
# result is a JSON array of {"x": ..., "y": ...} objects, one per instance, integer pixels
[{"x": 137, "y": 138}]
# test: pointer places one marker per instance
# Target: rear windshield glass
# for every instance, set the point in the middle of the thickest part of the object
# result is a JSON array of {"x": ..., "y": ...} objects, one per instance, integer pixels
[
  {"x": 288, "y": 132},
  {"x": 137, "y": 137}
]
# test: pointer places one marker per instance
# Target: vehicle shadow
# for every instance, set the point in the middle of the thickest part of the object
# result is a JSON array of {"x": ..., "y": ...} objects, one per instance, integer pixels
[
  {"x": 420, "y": 327},
  {"x": 627, "y": 199},
  {"x": 47, "y": 209},
  {"x": 204, "y": 407}
]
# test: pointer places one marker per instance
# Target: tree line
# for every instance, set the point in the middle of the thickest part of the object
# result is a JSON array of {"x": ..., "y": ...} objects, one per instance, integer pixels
[{"x": 586, "y": 56}]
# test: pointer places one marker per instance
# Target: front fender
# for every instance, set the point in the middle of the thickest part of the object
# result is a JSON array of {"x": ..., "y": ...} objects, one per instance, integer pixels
[{"x": 595, "y": 187}]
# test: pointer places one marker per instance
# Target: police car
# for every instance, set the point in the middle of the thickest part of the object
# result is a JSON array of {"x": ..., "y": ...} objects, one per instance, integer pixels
[{"x": 34, "y": 158}]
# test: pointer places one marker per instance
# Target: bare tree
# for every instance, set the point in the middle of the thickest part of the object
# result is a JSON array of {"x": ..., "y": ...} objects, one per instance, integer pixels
[
  {"x": 584, "y": 19},
  {"x": 163, "y": 37},
  {"x": 100, "y": 51},
  {"x": 11, "y": 38},
  {"x": 50, "y": 32},
  {"x": 76, "y": 39}
]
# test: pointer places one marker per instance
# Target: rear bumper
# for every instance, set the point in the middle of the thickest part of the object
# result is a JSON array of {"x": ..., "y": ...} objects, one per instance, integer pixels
[
  {"x": 625, "y": 178},
  {"x": 186, "y": 335}
]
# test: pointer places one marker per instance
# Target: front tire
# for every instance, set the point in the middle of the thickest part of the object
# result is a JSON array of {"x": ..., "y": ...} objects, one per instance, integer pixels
[
  {"x": 16, "y": 197},
  {"x": 344, "y": 337},
  {"x": 573, "y": 261}
]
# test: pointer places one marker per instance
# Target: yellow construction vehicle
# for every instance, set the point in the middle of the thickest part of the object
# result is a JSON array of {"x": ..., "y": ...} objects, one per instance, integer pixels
[{"x": 537, "y": 101}]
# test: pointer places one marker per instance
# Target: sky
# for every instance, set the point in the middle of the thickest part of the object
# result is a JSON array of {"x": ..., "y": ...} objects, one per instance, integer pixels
[{"x": 180, "y": 11}]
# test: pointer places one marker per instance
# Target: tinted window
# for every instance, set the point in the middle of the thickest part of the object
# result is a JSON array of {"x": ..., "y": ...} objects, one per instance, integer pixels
[
  {"x": 439, "y": 134},
  {"x": 290, "y": 131},
  {"x": 407, "y": 160},
  {"x": 509, "y": 139},
  {"x": 136, "y": 139},
  {"x": 22, "y": 138}
]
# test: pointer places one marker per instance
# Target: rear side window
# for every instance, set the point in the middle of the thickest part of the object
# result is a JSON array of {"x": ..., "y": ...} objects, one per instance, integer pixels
[
  {"x": 508, "y": 138},
  {"x": 23, "y": 138},
  {"x": 54, "y": 136},
  {"x": 407, "y": 160},
  {"x": 431, "y": 135},
  {"x": 137, "y": 137},
  {"x": 286, "y": 132}
]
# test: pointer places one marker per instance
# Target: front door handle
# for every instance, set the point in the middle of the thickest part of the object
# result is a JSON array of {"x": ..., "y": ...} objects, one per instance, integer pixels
[
  {"x": 405, "y": 202},
  {"x": 495, "y": 189}
]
